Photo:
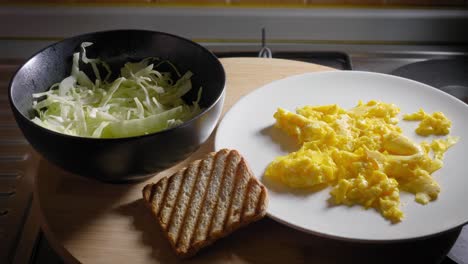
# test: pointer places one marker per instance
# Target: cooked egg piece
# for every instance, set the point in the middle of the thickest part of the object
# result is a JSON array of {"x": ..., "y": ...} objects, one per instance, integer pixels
[
  {"x": 302, "y": 169},
  {"x": 374, "y": 190},
  {"x": 300, "y": 127},
  {"x": 422, "y": 185},
  {"x": 397, "y": 144},
  {"x": 431, "y": 124},
  {"x": 440, "y": 146},
  {"x": 416, "y": 116}
]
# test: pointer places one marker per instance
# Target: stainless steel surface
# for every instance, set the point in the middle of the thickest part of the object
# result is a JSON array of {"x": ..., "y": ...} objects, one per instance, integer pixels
[
  {"x": 387, "y": 62},
  {"x": 312, "y": 24}
]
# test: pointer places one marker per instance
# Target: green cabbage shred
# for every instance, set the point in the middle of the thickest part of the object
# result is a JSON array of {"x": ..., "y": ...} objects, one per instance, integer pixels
[{"x": 142, "y": 100}]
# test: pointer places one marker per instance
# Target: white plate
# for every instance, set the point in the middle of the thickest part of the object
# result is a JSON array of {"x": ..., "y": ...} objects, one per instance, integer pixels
[{"x": 247, "y": 127}]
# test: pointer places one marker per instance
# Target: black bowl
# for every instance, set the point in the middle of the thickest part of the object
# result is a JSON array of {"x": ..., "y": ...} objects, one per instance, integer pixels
[{"x": 120, "y": 159}]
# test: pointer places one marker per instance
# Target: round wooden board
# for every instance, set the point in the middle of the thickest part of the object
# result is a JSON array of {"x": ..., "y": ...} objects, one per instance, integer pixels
[{"x": 91, "y": 222}]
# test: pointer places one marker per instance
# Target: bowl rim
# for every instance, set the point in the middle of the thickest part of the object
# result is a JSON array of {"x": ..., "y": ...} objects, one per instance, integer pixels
[{"x": 168, "y": 130}]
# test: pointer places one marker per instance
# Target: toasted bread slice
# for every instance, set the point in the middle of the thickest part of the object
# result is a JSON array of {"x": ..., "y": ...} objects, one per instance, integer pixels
[{"x": 207, "y": 200}]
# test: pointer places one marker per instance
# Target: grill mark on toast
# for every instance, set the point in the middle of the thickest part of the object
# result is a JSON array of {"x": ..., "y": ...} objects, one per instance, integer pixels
[
  {"x": 198, "y": 195},
  {"x": 170, "y": 198},
  {"x": 152, "y": 192},
  {"x": 182, "y": 202},
  {"x": 245, "y": 199},
  {"x": 159, "y": 190},
  {"x": 236, "y": 208},
  {"x": 208, "y": 205},
  {"x": 224, "y": 195},
  {"x": 203, "y": 203},
  {"x": 252, "y": 199},
  {"x": 231, "y": 195},
  {"x": 175, "y": 204},
  {"x": 165, "y": 188},
  {"x": 262, "y": 202},
  {"x": 189, "y": 207},
  {"x": 221, "y": 187}
]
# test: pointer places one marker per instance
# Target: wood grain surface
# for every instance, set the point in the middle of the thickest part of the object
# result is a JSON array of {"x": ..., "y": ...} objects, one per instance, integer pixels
[{"x": 91, "y": 222}]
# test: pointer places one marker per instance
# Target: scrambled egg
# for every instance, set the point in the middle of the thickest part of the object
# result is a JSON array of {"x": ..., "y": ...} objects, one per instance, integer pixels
[
  {"x": 362, "y": 154},
  {"x": 435, "y": 124}
]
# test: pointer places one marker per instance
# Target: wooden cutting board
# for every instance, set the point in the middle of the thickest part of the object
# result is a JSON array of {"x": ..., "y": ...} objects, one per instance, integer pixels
[{"x": 91, "y": 222}]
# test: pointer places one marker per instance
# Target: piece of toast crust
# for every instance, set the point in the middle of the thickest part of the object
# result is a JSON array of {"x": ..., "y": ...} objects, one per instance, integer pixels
[{"x": 221, "y": 186}]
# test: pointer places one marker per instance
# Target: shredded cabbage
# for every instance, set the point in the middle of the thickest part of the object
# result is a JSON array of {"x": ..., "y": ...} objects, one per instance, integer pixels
[{"x": 141, "y": 101}]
